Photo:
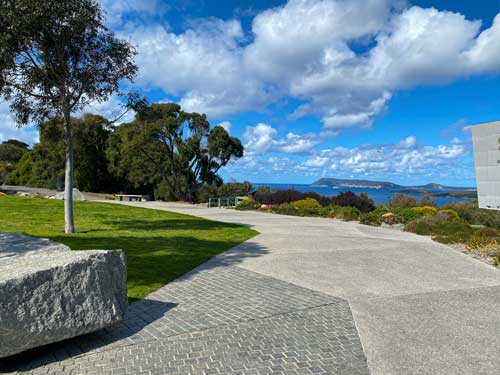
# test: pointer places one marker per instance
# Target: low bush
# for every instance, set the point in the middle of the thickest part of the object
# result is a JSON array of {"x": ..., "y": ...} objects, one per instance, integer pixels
[
  {"x": 307, "y": 204},
  {"x": 471, "y": 213},
  {"x": 347, "y": 213},
  {"x": 248, "y": 204},
  {"x": 452, "y": 215},
  {"x": 391, "y": 219},
  {"x": 488, "y": 232},
  {"x": 444, "y": 231},
  {"x": 372, "y": 218},
  {"x": 349, "y": 199},
  {"x": 401, "y": 200},
  {"x": 425, "y": 210}
]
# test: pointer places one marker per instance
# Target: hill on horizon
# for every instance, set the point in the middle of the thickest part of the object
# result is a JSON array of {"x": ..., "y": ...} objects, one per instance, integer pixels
[{"x": 355, "y": 183}]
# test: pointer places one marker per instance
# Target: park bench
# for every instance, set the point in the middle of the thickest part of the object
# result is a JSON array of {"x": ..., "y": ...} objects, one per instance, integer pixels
[{"x": 128, "y": 197}]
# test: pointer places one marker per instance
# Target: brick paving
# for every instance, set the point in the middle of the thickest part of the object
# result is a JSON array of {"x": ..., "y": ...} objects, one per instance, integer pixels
[{"x": 218, "y": 319}]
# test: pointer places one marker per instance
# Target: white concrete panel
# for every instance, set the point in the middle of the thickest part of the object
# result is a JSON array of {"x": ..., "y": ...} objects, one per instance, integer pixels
[{"x": 486, "y": 141}]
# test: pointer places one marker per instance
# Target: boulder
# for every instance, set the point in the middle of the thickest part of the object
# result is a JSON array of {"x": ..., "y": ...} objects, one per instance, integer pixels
[
  {"x": 77, "y": 195},
  {"x": 49, "y": 293}
]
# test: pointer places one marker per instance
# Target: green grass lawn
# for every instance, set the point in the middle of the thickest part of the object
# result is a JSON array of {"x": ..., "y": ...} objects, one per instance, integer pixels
[{"x": 160, "y": 245}]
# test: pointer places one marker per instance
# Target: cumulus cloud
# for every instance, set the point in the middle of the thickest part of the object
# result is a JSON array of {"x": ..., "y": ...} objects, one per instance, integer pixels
[
  {"x": 260, "y": 139},
  {"x": 9, "y": 130},
  {"x": 202, "y": 65},
  {"x": 405, "y": 158},
  {"x": 343, "y": 59},
  {"x": 226, "y": 125}
]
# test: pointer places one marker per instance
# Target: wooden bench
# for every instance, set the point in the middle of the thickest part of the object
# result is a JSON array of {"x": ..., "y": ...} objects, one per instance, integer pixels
[{"x": 128, "y": 197}]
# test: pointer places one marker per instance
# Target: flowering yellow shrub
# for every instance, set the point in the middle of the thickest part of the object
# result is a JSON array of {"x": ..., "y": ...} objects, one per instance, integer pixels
[{"x": 425, "y": 210}]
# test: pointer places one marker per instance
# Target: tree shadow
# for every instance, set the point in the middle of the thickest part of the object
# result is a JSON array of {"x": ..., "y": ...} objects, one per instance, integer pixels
[{"x": 174, "y": 224}]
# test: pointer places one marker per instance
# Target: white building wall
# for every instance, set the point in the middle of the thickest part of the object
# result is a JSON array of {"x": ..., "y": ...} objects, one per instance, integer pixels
[{"x": 486, "y": 141}]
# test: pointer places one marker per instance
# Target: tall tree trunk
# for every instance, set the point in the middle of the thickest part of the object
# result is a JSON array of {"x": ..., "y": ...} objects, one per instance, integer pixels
[{"x": 69, "y": 224}]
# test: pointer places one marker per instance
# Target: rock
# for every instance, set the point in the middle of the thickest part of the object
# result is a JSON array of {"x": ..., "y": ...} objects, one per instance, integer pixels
[
  {"x": 77, "y": 195},
  {"x": 49, "y": 293}
]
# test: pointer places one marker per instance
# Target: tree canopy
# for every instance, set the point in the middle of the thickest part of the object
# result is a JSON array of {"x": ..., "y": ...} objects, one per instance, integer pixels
[
  {"x": 178, "y": 149},
  {"x": 56, "y": 57}
]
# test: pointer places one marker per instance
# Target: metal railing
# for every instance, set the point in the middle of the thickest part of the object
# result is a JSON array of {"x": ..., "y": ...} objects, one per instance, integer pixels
[{"x": 226, "y": 202}]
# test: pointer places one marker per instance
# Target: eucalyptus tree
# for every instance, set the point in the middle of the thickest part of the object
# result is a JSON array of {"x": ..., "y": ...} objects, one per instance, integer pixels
[
  {"x": 166, "y": 145},
  {"x": 56, "y": 57}
]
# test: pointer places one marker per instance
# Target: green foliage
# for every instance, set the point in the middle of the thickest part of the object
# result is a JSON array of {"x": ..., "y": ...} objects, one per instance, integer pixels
[
  {"x": 425, "y": 210},
  {"x": 347, "y": 213},
  {"x": 399, "y": 215},
  {"x": 167, "y": 144},
  {"x": 12, "y": 150},
  {"x": 401, "y": 200},
  {"x": 307, "y": 204},
  {"x": 23, "y": 172},
  {"x": 162, "y": 192},
  {"x": 471, "y": 213},
  {"x": 57, "y": 56},
  {"x": 373, "y": 218},
  {"x": 231, "y": 189},
  {"x": 160, "y": 246},
  {"x": 90, "y": 140},
  {"x": 248, "y": 204},
  {"x": 453, "y": 215},
  {"x": 427, "y": 200},
  {"x": 444, "y": 230}
]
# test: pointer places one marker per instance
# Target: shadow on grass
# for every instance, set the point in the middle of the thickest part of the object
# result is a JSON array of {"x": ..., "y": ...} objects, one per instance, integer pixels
[
  {"x": 153, "y": 261},
  {"x": 174, "y": 224}
]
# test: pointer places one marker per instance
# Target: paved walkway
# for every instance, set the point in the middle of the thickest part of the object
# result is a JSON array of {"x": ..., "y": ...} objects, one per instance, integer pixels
[{"x": 293, "y": 300}]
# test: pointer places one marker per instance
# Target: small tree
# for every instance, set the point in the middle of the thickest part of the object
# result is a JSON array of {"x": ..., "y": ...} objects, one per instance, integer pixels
[
  {"x": 172, "y": 148},
  {"x": 56, "y": 57}
]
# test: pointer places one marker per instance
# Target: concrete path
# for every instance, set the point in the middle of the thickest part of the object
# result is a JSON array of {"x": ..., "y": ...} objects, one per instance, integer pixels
[
  {"x": 281, "y": 303},
  {"x": 420, "y": 307}
]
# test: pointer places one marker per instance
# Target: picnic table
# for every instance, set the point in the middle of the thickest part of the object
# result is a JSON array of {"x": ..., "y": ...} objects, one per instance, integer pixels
[{"x": 128, "y": 197}]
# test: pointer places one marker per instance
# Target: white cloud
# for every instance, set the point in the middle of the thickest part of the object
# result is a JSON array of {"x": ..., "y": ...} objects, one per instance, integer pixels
[
  {"x": 226, "y": 125},
  {"x": 260, "y": 139},
  {"x": 111, "y": 109},
  {"x": 202, "y": 65},
  {"x": 401, "y": 159},
  {"x": 304, "y": 50},
  {"x": 9, "y": 130}
]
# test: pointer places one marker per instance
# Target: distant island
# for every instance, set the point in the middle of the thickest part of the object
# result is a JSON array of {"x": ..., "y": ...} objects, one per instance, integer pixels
[{"x": 345, "y": 183}]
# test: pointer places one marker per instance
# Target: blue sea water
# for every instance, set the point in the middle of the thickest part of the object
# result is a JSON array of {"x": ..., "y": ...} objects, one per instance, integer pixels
[{"x": 379, "y": 196}]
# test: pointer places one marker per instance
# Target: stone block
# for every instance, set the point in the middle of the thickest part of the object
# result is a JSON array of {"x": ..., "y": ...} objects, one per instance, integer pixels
[{"x": 49, "y": 293}]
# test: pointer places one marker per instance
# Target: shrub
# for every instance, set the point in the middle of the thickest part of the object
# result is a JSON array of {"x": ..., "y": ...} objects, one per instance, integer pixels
[
  {"x": 371, "y": 218},
  {"x": 427, "y": 200},
  {"x": 248, "y": 204},
  {"x": 391, "y": 219},
  {"x": 347, "y": 213},
  {"x": 453, "y": 216},
  {"x": 425, "y": 210},
  {"x": 400, "y": 200},
  {"x": 162, "y": 192},
  {"x": 446, "y": 231},
  {"x": 488, "y": 232},
  {"x": 408, "y": 214},
  {"x": 307, "y": 204},
  {"x": 349, "y": 199},
  {"x": 471, "y": 213},
  {"x": 283, "y": 196}
]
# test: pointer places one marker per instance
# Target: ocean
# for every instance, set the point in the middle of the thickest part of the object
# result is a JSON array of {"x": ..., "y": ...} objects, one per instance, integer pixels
[{"x": 379, "y": 196}]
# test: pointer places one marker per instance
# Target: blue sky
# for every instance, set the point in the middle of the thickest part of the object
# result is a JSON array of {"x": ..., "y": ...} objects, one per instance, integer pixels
[{"x": 376, "y": 89}]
